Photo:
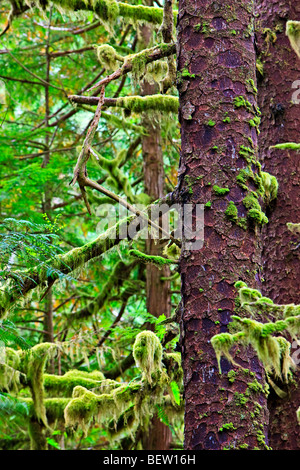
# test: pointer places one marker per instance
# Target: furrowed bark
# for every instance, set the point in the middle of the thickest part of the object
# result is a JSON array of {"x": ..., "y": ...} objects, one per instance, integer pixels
[
  {"x": 280, "y": 122},
  {"x": 216, "y": 67}
]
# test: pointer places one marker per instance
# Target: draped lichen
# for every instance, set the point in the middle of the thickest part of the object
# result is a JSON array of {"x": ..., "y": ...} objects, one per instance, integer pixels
[
  {"x": 273, "y": 351},
  {"x": 293, "y": 33},
  {"x": 147, "y": 353},
  {"x": 32, "y": 365}
]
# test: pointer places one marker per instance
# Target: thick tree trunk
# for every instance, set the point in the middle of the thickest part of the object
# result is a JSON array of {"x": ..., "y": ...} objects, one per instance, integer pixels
[
  {"x": 280, "y": 123},
  {"x": 216, "y": 67}
]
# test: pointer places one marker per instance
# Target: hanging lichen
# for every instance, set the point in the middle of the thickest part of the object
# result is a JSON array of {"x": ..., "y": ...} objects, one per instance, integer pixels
[
  {"x": 108, "y": 57},
  {"x": 273, "y": 351},
  {"x": 147, "y": 353},
  {"x": 33, "y": 363},
  {"x": 293, "y": 33}
]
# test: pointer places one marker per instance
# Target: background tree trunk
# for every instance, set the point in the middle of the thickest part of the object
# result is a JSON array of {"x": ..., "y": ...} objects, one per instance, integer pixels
[
  {"x": 216, "y": 64},
  {"x": 158, "y": 296},
  {"x": 280, "y": 122}
]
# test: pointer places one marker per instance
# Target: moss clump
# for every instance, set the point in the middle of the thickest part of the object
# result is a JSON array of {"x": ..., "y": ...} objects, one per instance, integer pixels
[
  {"x": 241, "y": 102},
  {"x": 222, "y": 343},
  {"x": 138, "y": 104},
  {"x": 186, "y": 74},
  {"x": 157, "y": 260},
  {"x": 293, "y": 33},
  {"x": 172, "y": 251},
  {"x": 255, "y": 212},
  {"x": 227, "y": 427},
  {"x": 255, "y": 122},
  {"x": 147, "y": 353},
  {"x": 231, "y": 376},
  {"x": 108, "y": 57},
  {"x": 220, "y": 191},
  {"x": 211, "y": 123},
  {"x": 232, "y": 212},
  {"x": 270, "y": 186}
]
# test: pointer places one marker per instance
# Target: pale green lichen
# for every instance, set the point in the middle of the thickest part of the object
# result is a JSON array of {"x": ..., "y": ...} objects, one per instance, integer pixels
[
  {"x": 287, "y": 146},
  {"x": 294, "y": 228},
  {"x": 273, "y": 351},
  {"x": 63, "y": 385},
  {"x": 293, "y": 33},
  {"x": 147, "y": 353},
  {"x": 32, "y": 364},
  {"x": 108, "y": 57}
]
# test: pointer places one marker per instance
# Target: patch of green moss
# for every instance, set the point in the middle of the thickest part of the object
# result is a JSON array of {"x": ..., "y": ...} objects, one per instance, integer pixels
[
  {"x": 220, "y": 191},
  {"x": 159, "y": 261},
  {"x": 186, "y": 74},
  {"x": 241, "y": 102},
  {"x": 227, "y": 427}
]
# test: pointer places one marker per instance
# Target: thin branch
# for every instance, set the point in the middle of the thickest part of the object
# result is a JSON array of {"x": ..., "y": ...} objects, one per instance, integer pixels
[
  {"x": 153, "y": 54},
  {"x": 80, "y": 168},
  {"x": 31, "y": 73}
]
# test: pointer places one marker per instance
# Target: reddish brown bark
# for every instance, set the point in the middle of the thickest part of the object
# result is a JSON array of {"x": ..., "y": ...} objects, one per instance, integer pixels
[
  {"x": 280, "y": 123},
  {"x": 216, "y": 55}
]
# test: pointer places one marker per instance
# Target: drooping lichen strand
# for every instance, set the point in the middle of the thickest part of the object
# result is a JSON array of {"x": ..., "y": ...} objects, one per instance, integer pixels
[
  {"x": 273, "y": 351},
  {"x": 293, "y": 33},
  {"x": 131, "y": 406},
  {"x": 33, "y": 364},
  {"x": 147, "y": 353}
]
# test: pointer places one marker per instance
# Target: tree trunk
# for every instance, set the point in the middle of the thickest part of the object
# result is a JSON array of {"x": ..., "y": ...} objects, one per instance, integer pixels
[
  {"x": 280, "y": 123},
  {"x": 216, "y": 69},
  {"x": 158, "y": 296}
]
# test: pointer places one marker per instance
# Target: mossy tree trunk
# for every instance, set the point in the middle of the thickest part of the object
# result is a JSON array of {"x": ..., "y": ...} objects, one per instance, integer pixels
[
  {"x": 280, "y": 123},
  {"x": 158, "y": 297},
  {"x": 217, "y": 94}
]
